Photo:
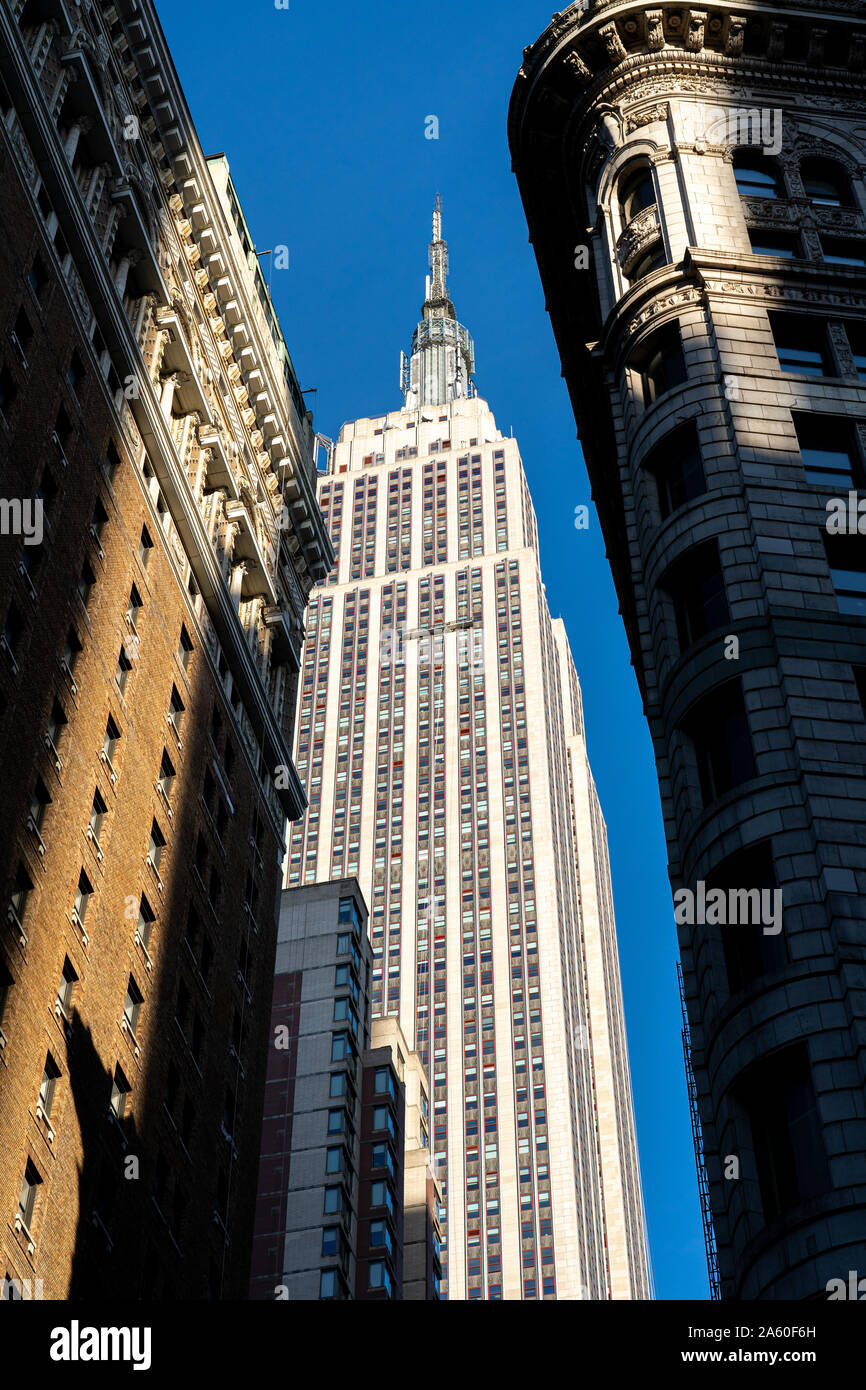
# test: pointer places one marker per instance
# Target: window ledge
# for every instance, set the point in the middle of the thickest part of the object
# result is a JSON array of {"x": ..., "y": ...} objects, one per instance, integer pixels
[
  {"x": 155, "y": 871},
  {"x": 97, "y": 1221},
  {"x": 147, "y": 958},
  {"x": 51, "y": 1134},
  {"x": 77, "y": 922},
  {"x": 15, "y": 922},
  {"x": 113, "y": 1119},
  {"x": 112, "y": 775},
  {"x": 22, "y": 1229},
  {"x": 126, "y": 1029},
  {"x": 97, "y": 848}
]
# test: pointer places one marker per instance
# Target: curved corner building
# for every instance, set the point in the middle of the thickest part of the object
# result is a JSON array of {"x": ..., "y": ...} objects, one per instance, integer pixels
[
  {"x": 440, "y": 743},
  {"x": 693, "y": 183}
]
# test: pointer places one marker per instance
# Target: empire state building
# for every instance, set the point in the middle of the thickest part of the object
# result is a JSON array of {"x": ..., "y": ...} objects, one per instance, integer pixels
[{"x": 440, "y": 741}]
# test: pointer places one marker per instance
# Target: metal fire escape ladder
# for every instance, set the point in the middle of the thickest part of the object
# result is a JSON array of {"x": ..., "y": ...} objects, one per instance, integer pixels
[{"x": 698, "y": 1140}]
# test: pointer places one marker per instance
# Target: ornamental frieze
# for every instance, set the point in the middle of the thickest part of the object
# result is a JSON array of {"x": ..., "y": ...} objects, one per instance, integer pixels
[
  {"x": 835, "y": 299},
  {"x": 689, "y": 294}
]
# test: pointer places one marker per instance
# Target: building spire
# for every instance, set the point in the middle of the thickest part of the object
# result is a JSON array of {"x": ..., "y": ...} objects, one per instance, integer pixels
[
  {"x": 437, "y": 294},
  {"x": 443, "y": 354}
]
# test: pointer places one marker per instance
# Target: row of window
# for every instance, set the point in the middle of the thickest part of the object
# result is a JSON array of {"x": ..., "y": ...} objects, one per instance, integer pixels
[{"x": 802, "y": 345}]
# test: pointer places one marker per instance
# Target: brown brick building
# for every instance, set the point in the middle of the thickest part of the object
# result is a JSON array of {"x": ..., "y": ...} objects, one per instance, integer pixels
[{"x": 159, "y": 539}]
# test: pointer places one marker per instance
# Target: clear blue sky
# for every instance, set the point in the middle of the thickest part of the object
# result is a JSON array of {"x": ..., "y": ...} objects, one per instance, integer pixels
[{"x": 321, "y": 112}]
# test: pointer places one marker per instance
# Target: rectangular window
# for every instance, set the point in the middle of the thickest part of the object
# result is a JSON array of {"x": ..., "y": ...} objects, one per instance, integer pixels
[
  {"x": 779, "y": 1097},
  {"x": 145, "y": 547},
  {"x": 838, "y": 252},
  {"x": 86, "y": 581},
  {"x": 29, "y": 1189},
  {"x": 846, "y": 556},
  {"x": 132, "y": 1006},
  {"x": 184, "y": 651},
  {"x": 678, "y": 470},
  {"x": 697, "y": 588},
  {"x": 857, "y": 340},
  {"x": 146, "y": 919},
  {"x": 801, "y": 343},
  {"x": 156, "y": 846},
  {"x": 21, "y": 891},
  {"x": 719, "y": 727},
  {"x": 38, "y": 277},
  {"x": 124, "y": 666},
  {"x": 333, "y": 1201},
  {"x": 50, "y": 1073},
  {"x": 176, "y": 711},
  {"x": 68, "y": 981},
  {"x": 110, "y": 742},
  {"x": 98, "y": 812},
  {"x": 166, "y": 776},
  {"x": 330, "y": 1241},
  {"x": 75, "y": 372},
  {"x": 120, "y": 1089},
  {"x": 661, "y": 363},
  {"x": 83, "y": 894},
  {"x": 785, "y": 244},
  {"x": 749, "y": 952},
  {"x": 828, "y": 451},
  {"x": 134, "y": 607}
]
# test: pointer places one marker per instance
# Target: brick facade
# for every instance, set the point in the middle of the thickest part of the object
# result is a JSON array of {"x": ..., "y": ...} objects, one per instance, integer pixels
[{"x": 166, "y": 784}]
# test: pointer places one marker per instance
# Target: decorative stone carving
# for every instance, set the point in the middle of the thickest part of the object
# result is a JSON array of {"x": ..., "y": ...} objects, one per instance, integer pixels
[
  {"x": 769, "y": 210},
  {"x": 609, "y": 35},
  {"x": 792, "y": 293},
  {"x": 776, "y": 41},
  {"x": 694, "y": 35},
  {"x": 578, "y": 67},
  {"x": 640, "y": 233},
  {"x": 734, "y": 33},
  {"x": 680, "y": 298},
  {"x": 816, "y": 47},
  {"x": 25, "y": 156},
  {"x": 609, "y": 132},
  {"x": 646, "y": 117},
  {"x": 655, "y": 33}
]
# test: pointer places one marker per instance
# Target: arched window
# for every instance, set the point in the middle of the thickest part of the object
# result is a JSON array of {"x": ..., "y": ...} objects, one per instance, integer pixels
[
  {"x": 826, "y": 183},
  {"x": 757, "y": 177},
  {"x": 636, "y": 191}
]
